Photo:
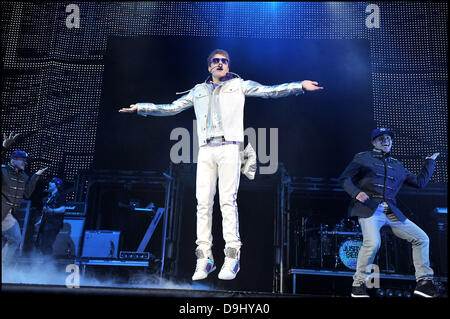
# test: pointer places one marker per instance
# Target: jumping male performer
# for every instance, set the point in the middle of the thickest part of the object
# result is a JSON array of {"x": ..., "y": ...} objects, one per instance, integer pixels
[{"x": 219, "y": 108}]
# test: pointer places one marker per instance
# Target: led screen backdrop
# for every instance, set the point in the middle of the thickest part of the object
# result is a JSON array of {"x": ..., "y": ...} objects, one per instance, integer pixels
[
  {"x": 53, "y": 76},
  {"x": 311, "y": 129}
]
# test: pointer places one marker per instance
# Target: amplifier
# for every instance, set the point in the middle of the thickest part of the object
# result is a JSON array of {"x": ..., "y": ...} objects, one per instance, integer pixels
[
  {"x": 79, "y": 209},
  {"x": 68, "y": 240},
  {"x": 101, "y": 243}
]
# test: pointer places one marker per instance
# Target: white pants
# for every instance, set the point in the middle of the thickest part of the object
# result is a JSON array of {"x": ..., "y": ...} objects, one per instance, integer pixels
[{"x": 222, "y": 161}]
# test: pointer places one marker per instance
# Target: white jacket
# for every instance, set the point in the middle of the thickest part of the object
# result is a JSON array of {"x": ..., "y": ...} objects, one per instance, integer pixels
[{"x": 230, "y": 96}]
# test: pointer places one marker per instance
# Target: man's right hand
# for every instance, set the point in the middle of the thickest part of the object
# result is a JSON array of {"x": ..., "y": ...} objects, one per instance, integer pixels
[
  {"x": 362, "y": 197},
  {"x": 8, "y": 140},
  {"x": 131, "y": 109}
]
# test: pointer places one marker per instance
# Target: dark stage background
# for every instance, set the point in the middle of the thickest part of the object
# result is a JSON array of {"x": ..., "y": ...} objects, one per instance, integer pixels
[
  {"x": 53, "y": 77},
  {"x": 312, "y": 128}
]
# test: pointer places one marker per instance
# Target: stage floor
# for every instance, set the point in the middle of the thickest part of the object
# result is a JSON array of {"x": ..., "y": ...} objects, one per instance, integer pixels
[
  {"x": 56, "y": 277},
  {"x": 142, "y": 292}
]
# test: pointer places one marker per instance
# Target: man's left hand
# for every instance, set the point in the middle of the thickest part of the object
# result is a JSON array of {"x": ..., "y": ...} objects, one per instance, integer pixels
[
  {"x": 308, "y": 85},
  {"x": 41, "y": 171},
  {"x": 433, "y": 157}
]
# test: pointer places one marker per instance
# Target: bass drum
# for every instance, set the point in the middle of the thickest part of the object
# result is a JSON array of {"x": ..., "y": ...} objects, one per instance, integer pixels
[{"x": 348, "y": 252}]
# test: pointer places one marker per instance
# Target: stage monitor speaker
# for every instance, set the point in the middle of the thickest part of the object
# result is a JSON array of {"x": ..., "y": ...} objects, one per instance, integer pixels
[
  {"x": 101, "y": 243},
  {"x": 67, "y": 243}
]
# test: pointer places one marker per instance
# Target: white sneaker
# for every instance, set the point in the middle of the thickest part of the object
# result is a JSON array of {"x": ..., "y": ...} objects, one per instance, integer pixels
[
  {"x": 229, "y": 269},
  {"x": 204, "y": 267}
]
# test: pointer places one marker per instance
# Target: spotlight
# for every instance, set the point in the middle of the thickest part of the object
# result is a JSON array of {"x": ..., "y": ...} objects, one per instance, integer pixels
[
  {"x": 389, "y": 293},
  {"x": 398, "y": 293},
  {"x": 380, "y": 292},
  {"x": 407, "y": 294}
]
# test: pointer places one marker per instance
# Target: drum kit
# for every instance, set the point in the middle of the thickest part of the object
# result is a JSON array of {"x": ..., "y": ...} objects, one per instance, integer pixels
[
  {"x": 323, "y": 243},
  {"x": 334, "y": 247}
]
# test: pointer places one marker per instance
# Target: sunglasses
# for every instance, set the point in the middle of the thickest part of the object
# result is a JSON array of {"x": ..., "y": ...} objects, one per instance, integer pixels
[
  {"x": 23, "y": 160},
  {"x": 217, "y": 60}
]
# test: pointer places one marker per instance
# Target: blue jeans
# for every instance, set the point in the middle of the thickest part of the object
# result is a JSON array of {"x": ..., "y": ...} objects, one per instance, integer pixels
[
  {"x": 10, "y": 241},
  {"x": 370, "y": 227}
]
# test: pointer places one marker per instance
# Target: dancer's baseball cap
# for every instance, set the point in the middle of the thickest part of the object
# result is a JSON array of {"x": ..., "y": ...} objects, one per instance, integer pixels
[
  {"x": 381, "y": 131},
  {"x": 19, "y": 154}
]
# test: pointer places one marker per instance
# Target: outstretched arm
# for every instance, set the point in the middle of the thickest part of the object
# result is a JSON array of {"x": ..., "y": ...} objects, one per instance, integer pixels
[
  {"x": 31, "y": 183},
  {"x": 424, "y": 176},
  {"x": 255, "y": 89},
  {"x": 177, "y": 106}
]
